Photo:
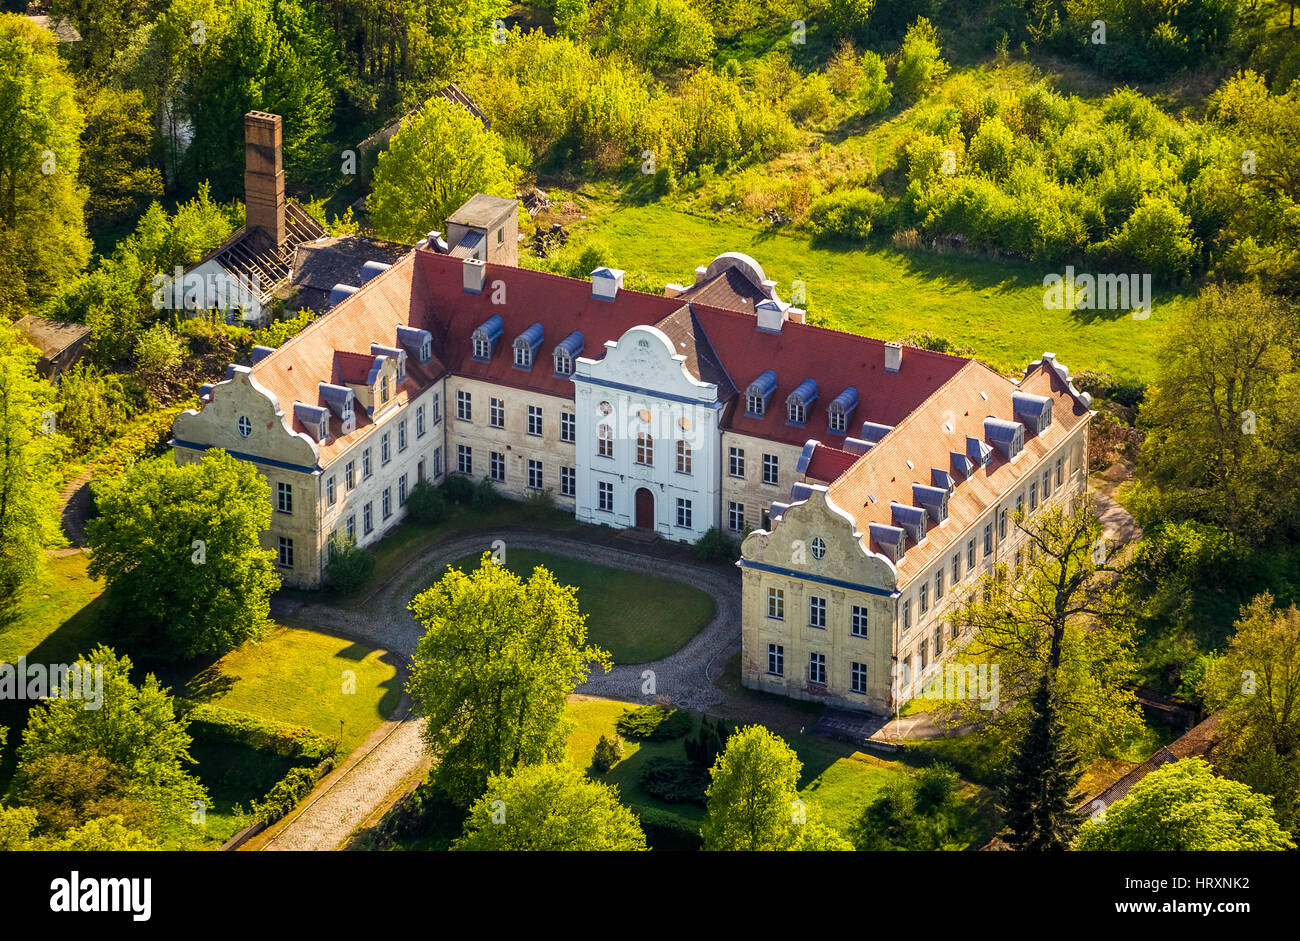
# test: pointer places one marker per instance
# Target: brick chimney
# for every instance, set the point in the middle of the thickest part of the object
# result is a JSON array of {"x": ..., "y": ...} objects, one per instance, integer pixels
[{"x": 264, "y": 177}]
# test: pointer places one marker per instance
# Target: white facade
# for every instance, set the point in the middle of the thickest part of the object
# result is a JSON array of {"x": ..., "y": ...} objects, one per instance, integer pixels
[{"x": 658, "y": 464}]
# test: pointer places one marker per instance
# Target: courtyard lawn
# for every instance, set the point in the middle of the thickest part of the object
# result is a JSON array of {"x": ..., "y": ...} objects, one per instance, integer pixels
[
  {"x": 56, "y": 622},
  {"x": 994, "y": 307},
  {"x": 837, "y": 780},
  {"x": 301, "y": 677},
  {"x": 637, "y": 618}
]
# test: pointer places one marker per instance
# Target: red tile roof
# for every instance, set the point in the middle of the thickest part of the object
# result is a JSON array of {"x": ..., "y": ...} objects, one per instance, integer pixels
[
  {"x": 828, "y": 463},
  {"x": 930, "y": 434},
  {"x": 352, "y": 367}
]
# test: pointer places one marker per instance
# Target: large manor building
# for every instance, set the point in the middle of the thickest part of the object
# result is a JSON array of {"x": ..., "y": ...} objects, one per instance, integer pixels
[{"x": 873, "y": 480}]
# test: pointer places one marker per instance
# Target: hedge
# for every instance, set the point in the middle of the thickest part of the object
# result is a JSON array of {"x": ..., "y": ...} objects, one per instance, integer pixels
[
  {"x": 666, "y": 832},
  {"x": 217, "y": 724}
]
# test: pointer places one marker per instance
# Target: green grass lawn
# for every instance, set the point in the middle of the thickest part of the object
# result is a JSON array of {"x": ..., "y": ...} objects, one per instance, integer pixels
[
  {"x": 637, "y": 618},
  {"x": 994, "y": 307},
  {"x": 837, "y": 780},
  {"x": 298, "y": 677}
]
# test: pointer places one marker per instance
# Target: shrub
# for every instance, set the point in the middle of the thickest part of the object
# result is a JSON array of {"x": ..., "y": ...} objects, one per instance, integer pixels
[
  {"x": 608, "y": 752},
  {"x": 485, "y": 495},
  {"x": 703, "y": 748},
  {"x": 349, "y": 566},
  {"x": 426, "y": 504},
  {"x": 845, "y": 214},
  {"x": 675, "y": 781},
  {"x": 286, "y": 794},
  {"x": 811, "y": 101},
  {"x": 217, "y": 724},
  {"x": 872, "y": 89},
  {"x": 717, "y": 546},
  {"x": 920, "y": 64},
  {"x": 538, "y": 503},
  {"x": 667, "y": 832},
  {"x": 458, "y": 488},
  {"x": 654, "y": 723}
]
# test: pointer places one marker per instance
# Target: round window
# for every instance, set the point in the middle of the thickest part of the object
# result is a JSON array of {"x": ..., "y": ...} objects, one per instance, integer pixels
[
  {"x": 643, "y": 414},
  {"x": 818, "y": 548},
  {"x": 605, "y": 408},
  {"x": 245, "y": 426},
  {"x": 685, "y": 423}
]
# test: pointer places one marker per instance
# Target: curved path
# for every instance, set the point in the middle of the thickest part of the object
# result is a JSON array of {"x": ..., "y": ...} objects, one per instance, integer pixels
[{"x": 367, "y": 783}]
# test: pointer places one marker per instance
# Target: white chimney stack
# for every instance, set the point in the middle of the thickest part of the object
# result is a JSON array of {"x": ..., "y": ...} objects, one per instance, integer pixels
[
  {"x": 605, "y": 283},
  {"x": 473, "y": 272},
  {"x": 893, "y": 356},
  {"x": 770, "y": 315}
]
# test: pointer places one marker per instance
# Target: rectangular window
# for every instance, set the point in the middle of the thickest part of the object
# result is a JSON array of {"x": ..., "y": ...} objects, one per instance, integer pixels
[
  {"x": 384, "y": 455},
  {"x": 1059, "y": 472},
  {"x": 464, "y": 406},
  {"x": 437, "y": 463},
  {"x": 858, "y": 677},
  {"x": 683, "y": 513},
  {"x": 437, "y": 408},
  {"x": 419, "y": 421},
  {"x": 970, "y": 555},
  {"x": 817, "y": 668},
  {"x": 771, "y": 469},
  {"x": 401, "y": 490},
  {"x": 535, "y": 420},
  {"x": 286, "y": 552},
  {"x": 568, "y": 481},
  {"x": 1002, "y": 524},
  {"x": 465, "y": 459},
  {"x": 383, "y": 390},
  {"x": 938, "y": 641},
  {"x": 365, "y": 464},
  {"x": 534, "y": 475},
  {"x": 645, "y": 449},
  {"x": 387, "y": 502},
  {"x": 736, "y": 462},
  {"x": 776, "y": 659},
  {"x": 496, "y": 413},
  {"x": 568, "y": 427},
  {"x": 907, "y": 614},
  {"x": 352, "y": 528},
  {"x": 776, "y": 604},
  {"x": 684, "y": 456},
  {"x": 329, "y": 491},
  {"x": 988, "y": 539},
  {"x": 956, "y": 568},
  {"x": 367, "y": 520},
  {"x": 816, "y": 612},
  {"x": 938, "y": 585},
  {"x": 401, "y": 436},
  {"x": 858, "y": 622},
  {"x": 604, "y": 441},
  {"x": 497, "y": 466},
  {"x": 284, "y": 497},
  {"x": 1033, "y": 496},
  {"x": 605, "y": 495},
  {"x": 924, "y": 597},
  {"x": 736, "y": 517},
  {"x": 924, "y": 659},
  {"x": 1047, "y": 484}
]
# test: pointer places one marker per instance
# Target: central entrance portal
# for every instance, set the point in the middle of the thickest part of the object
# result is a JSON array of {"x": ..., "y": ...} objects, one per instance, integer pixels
[{"x": 645, "y": 509}]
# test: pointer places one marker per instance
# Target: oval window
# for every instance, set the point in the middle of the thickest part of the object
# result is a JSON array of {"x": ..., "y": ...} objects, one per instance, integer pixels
[
  {"x": 605, "y": 408},
  {"x": 245, "y": 426},
  {"x": 643, "y": 414},
  {"x": 685, "y": 423},
  {"x": 818, "y": 549}
]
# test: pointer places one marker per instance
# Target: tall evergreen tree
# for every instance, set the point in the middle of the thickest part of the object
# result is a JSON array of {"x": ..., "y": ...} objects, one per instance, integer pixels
[{"x": 1036, "y": 798}]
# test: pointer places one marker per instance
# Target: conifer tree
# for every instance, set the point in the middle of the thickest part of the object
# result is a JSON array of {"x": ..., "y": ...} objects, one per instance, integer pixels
[{"x": 1036, "y": 798}]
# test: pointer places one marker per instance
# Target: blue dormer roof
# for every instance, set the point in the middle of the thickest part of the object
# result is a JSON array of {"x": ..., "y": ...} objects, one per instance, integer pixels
[
  {"x": 532, "y": 337},
  {"x": 339, "y": 398},
  {"x": 891, "y": 538},
  {"x": 492, "y": 327},
  {"x": 1035, "y": 410},
  {"x": 978, "y": 452},
  {"x": 800, "y": 492},
  {"x": 417, "y": 341},
  {"x": 807, "y": 392},
  {"x": 941, "y": 478},
  {"x": 765, "y": 384},
  {"x": 856, "y": 446},
  {"x": 777, "y": 510},
  {"x": 573, "y": 344},
  {"x": 846, "y": 400},
  {"x": 261, "y": 352},
  {"x": 934, "y": 499},
  {"x": 910, "y": 518},
  {"x": 962, "y": 462},
  {"x": 340, "y": 293},
  {"x": 1007, "y": 436},
  {"x": 873, "y": 432},
  {"x": 314, "y": 417},
  {"x": 372, "y": 269}
]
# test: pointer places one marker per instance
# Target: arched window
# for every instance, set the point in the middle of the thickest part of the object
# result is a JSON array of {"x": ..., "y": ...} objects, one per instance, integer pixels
[
  {"x": 796, "y": 413},
  {"x": 605, "y": 441},
  {"x": 754, "y": 402},
  {"x": 563, "y": 362},
  {"x": 683, "y": 457},
  {"x": 645, "y": 448}
]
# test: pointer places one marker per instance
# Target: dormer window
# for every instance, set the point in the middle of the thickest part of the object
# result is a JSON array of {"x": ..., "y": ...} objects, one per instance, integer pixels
[
  {"x": 841, "y": 408},
  {"x": 759, "y": 391},
  {"x": 485, "y": 338},
  {"x": 383, "y": 389},
  {"x": 799, "y": 401},
  {"x": 1035, "y": 411},
  {"x": 526, "y": 345},
  {"x": 426, "y": 351},
  {"x": 568, "y": 350}
]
